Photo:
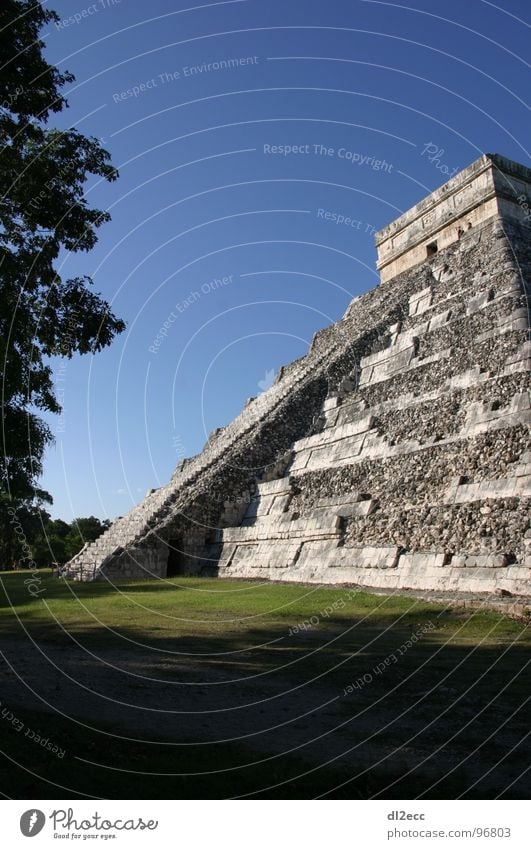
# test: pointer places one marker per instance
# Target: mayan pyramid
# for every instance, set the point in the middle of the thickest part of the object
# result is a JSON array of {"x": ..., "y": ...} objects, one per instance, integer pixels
[{"x": 396, "y": 453}]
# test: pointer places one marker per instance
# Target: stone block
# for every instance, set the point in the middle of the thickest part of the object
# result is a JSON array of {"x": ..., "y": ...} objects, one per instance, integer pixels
[
  {"x": 331, "y": 403},
  {"x": 373, "y": 557},
  {"x": 420, "y": 301},
  {"x": 276, "y": 487},
  {"x": 479, "y": 561},
  {"x": 423, "y": 560},
  {"x": 479, "y": 301},
  {"x": 439, "y": 320},
  {"x": 337, "y": 500}
]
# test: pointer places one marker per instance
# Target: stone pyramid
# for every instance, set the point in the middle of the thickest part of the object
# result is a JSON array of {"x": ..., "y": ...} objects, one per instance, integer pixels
[{"x": 396, "y": 453}]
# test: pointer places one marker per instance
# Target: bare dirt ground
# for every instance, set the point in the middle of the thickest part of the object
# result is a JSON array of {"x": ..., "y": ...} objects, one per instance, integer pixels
[{"x": 459, "y": 717}]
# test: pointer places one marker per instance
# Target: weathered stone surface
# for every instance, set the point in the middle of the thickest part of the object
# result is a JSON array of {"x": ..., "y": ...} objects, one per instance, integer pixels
[{"x": 396, "y": 454}]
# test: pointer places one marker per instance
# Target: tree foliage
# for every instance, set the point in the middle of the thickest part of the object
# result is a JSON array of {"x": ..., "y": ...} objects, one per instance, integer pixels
[
  {"x": 43, "y": 210},
  {"x": 30, "y": 537}
]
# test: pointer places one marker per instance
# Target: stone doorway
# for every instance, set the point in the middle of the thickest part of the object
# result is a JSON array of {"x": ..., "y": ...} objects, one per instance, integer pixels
[{"x": 175, "y": 557}]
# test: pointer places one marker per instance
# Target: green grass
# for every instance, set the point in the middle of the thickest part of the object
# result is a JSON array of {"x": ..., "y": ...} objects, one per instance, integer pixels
[
  {"x": 177, "y": 608},
  {"x": 245, "y": 628}
]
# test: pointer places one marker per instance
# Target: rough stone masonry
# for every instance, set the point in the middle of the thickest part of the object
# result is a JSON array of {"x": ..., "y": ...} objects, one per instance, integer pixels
[{"x": 396, "y": 453}]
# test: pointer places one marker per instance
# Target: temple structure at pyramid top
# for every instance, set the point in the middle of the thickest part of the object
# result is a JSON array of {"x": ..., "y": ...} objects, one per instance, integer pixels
[{"x": 492, "y": 186}]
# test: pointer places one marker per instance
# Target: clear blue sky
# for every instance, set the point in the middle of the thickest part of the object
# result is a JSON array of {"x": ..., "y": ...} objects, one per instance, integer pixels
[{"x": 361, "y": 88}]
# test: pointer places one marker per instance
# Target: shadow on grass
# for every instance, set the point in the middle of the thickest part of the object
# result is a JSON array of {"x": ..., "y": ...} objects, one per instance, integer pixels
[
  {"x": 22, "y": 586},
  {"x": 445, "y": 718},
  {"x": 453, "y": 704}
]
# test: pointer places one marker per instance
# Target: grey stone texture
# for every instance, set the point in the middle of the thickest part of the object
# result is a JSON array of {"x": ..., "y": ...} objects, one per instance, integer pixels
[{"x": 396, "y": 453}]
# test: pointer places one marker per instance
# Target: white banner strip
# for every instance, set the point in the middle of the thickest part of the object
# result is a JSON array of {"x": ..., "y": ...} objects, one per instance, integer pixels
[{"x": 265, "y": 824}]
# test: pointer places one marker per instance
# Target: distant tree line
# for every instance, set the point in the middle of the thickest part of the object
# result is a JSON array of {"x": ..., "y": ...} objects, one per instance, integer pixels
[{"x": 29, "y": 534}]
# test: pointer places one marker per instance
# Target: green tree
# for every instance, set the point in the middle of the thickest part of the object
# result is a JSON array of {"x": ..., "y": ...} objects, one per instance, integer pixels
[
  {"x": 43, "y": 173},
  {"x": 58, "y": 528},
  {"x": 28, "y": 535},
  {"x": 48, "y": 549},
  {"x": 21, "y": 524}
]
